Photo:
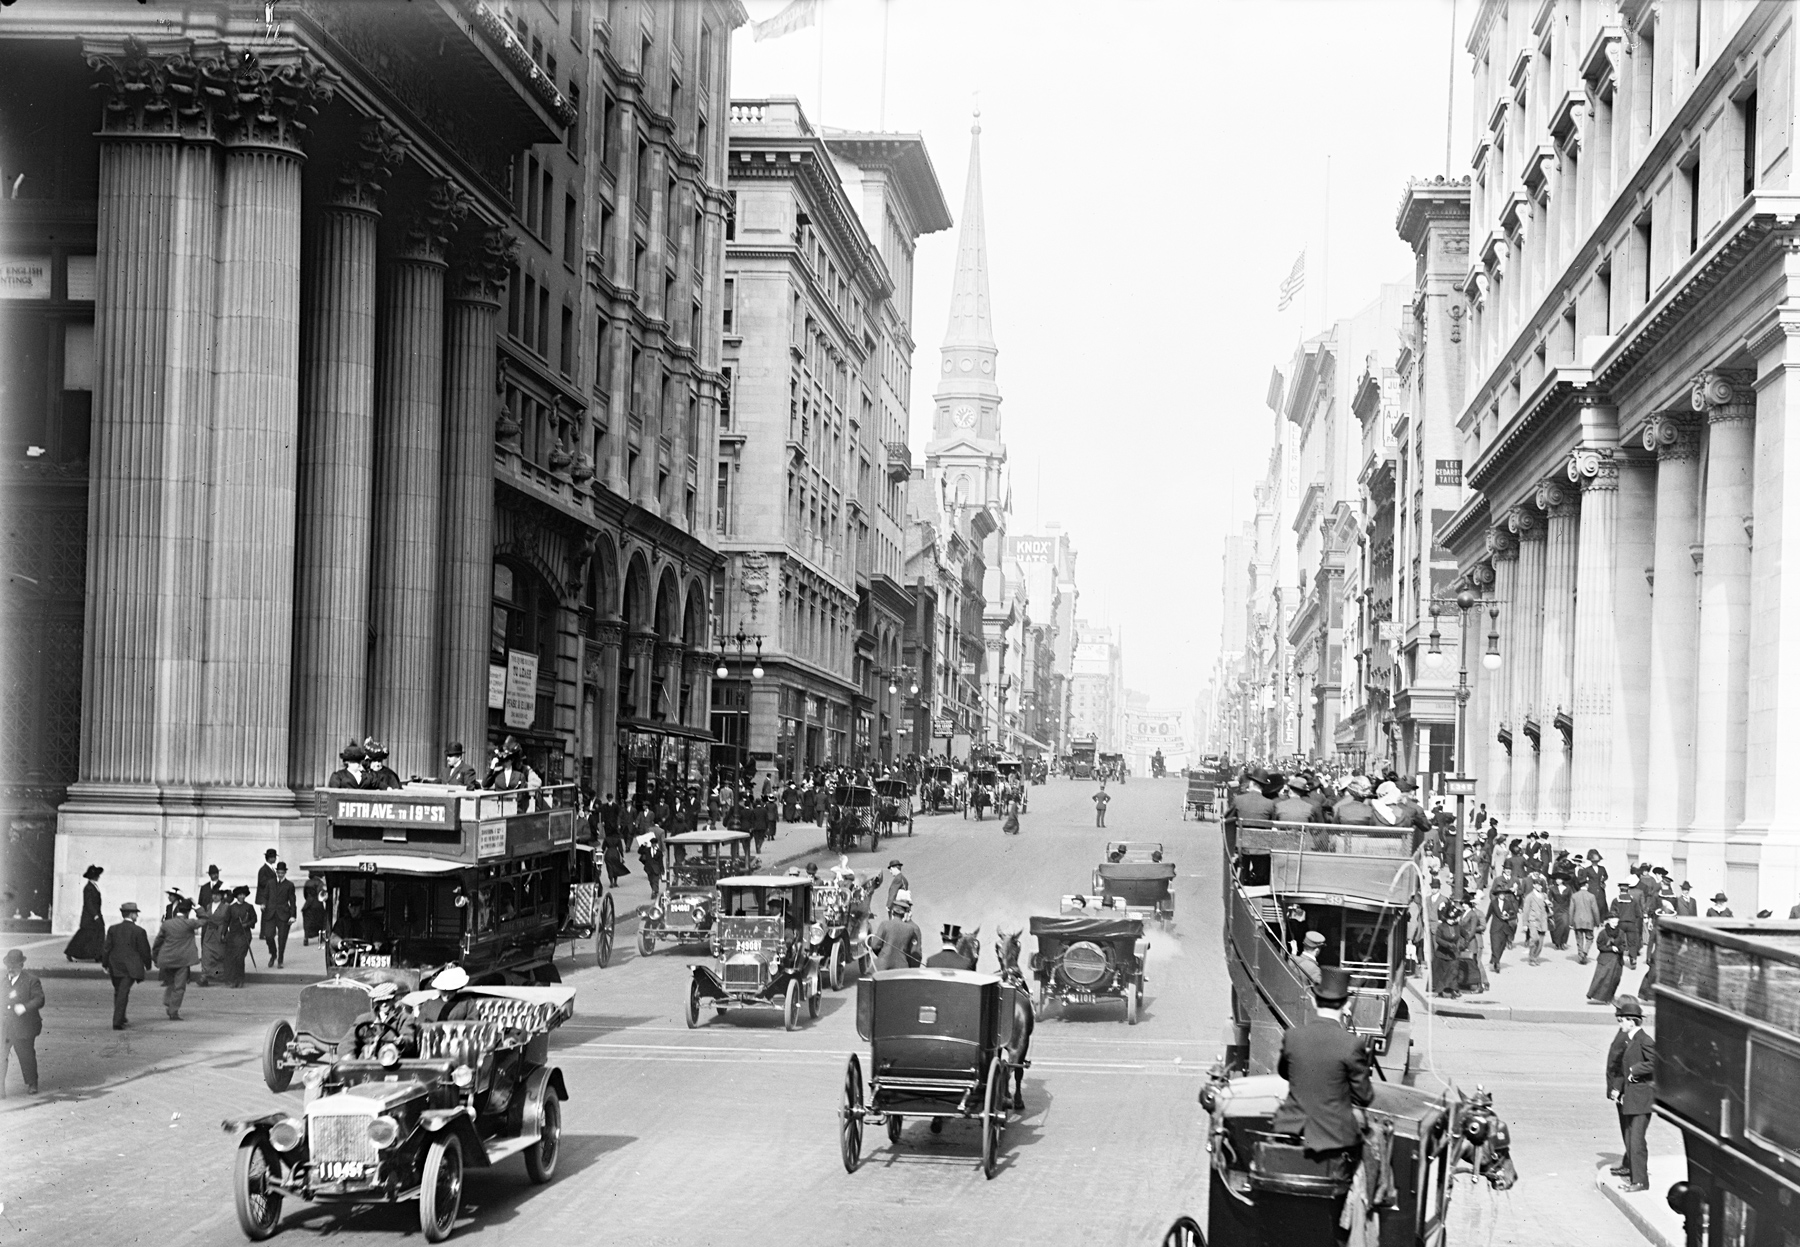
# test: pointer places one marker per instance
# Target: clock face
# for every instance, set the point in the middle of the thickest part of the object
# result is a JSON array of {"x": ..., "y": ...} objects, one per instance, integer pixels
[{"x": 964, "y": 416}]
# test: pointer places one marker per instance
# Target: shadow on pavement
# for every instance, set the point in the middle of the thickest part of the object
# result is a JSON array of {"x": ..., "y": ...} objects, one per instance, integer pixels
[{"x": 496, "y": 1196}]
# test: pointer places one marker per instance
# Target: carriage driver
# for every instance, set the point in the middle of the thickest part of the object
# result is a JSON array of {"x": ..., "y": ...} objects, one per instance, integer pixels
[{"x": 1327, "y": 1071}]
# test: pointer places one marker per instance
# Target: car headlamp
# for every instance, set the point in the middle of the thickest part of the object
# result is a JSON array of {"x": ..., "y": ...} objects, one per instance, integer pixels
[
  {"x": 656, "y": 913},
  {"x": 383, "y": 1131},
  {"x": 285, "y": 1135},
  {"x": 463, "y": 1077},
  {"x": 388, "y": 1054},
  {"x": 815, "y": 933}
]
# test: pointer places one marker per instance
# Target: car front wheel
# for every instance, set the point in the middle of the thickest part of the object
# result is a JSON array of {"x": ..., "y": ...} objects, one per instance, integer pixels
[
  {"x": 790, "y": 1006},
  {"x": 277, "y": 1071},
  {"x": 440, "y": 1188},
  {"x": 693, "y": 1005},
  {"x": 258, "y": 1200},
  {"x": 646, "y": 942}
]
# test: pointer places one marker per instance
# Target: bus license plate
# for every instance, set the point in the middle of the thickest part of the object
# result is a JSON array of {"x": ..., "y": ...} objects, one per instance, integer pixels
[
  {"x": 376, "y": 961},
  {"x": 341, "y": 1171}
]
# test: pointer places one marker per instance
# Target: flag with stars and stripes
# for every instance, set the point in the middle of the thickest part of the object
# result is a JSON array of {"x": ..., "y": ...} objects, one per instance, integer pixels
[{"x": 1295, "y": 283}]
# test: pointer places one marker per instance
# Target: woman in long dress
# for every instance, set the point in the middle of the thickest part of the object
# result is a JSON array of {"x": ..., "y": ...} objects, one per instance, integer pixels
[
  {"x": 1607, "y": 965},
  {"x": 89, "y": 941}
]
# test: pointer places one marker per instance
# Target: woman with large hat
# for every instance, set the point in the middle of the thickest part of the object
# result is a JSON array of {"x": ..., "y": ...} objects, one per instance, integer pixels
[{"x": 89, "y": 940}]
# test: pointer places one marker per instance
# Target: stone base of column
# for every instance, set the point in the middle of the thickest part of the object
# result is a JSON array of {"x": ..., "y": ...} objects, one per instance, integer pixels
[
  {"x": 1777, "y": 871},
  {"x": 151, "y": 838},
  {"x": 1616, "y": 844},
  {"x": 1706, "y": 867}
]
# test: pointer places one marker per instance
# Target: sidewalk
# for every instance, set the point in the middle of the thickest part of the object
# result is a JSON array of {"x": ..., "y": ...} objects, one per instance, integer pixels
[
  {"x": 795, "y": 843},
  {"x": 1555, "y": 991},
  {"x": 1649, "y": 1211}
]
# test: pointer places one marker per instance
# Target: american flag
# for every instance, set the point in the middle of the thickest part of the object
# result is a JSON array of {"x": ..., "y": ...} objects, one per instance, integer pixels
[{"x": 1295, "y": 283}]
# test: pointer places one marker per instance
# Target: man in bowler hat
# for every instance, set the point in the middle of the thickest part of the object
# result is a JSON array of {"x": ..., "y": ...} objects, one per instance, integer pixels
[
  {"x": 1327, "y": 1071},
  {"x": 127, "y": 958},
  {"x": 22, "y": 1022},
  {"x": 1631, "y": 1085}
]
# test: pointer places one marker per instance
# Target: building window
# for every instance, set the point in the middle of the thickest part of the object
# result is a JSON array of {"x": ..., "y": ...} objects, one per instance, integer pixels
[
  {"x": 725, "y": 399},
  {"x": 730, "y": 216},
  {"x": 609, "y": 139},
  {"x": 1690, "y": 177},
  {"x": 543, "y": 322},
  {"x": 533, "y": 188},
  {"x": 544, "y": 206},
  {"x": 606, "y": 247},
  {"x": 722, "y": 503},
  {"x": 573, "y": 139},
  {"x": 693, "y": 424},
  {"x": 641, "y": 200},
  {"x": 1747, "y": 120},
  {"x": 567, "y": 357},
  {"x": 514, "y": 301},
  {"x": 571, "y": 233},
  {"x": 602, "y": 354},
  {"x": 729, "y": 312}
]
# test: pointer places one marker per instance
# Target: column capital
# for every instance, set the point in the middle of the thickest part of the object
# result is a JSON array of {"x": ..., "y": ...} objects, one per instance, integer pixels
[
  {"x": 1672, "y": 435},
  {"x": 1555, "y": 499},
  {"x": 1524, "y": 523},
  {"x": 481, "y": 262},
  {"x": 272, "y": 97},
  {"x": 610, "y": 632},
  {"x": 1726, "y": 395},
  {"x": 1593, "y": 468},
  {"x": 426, "y": 226},
  {"x": 163, "y": 91},
  {"x": 1502, "y": 545},
  {"x": 380, "y": 149}
]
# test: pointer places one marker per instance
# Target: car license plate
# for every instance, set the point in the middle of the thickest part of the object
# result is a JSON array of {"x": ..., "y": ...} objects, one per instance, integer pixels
[
  {"x": 341, "y": 1170},
  {"x": 377, "y": 961}
]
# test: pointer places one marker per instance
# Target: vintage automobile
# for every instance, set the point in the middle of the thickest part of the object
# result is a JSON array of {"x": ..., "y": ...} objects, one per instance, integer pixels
[
  {"x": 426, "y": 875},
  {"x": 894, "y": 806},
  {"x": 840, "y": 907},
  {"x": 766, "y": 946},
  {"x": 407, "y": 1124},
  {"x": 1090, "y": 953},
  {"x": 941, "y": 1047},
  {"x": 683, "y": 908},
  {"x": 944, "y": 789},
  {"x": 850, "y": 814},
  {"x": 1201, "y": 795},
  {"x": 1081, "y": 757},
  {"x": 1135, "y": 873},
  {"x": 1266, "y": 1188}
]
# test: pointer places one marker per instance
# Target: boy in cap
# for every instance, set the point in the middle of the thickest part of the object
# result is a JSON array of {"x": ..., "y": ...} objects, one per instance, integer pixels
[
  {"x": 127, "y": 958},
  {"x": 1308, "y": 961}
]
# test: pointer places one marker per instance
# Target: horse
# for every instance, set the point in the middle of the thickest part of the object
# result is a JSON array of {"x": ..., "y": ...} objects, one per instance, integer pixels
[
  {"x": 980, "y": 798},
  {"x": 1018, "y": 1053}
]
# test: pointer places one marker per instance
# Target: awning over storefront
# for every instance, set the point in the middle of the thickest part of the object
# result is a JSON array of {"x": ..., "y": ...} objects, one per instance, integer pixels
[
  {"x": 658, "y": 727},
  {"x": 1029, "y": 740}
]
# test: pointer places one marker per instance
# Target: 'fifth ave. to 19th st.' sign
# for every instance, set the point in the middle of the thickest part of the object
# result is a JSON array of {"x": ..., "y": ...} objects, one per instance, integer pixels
[{"x": 392, "y": 813}]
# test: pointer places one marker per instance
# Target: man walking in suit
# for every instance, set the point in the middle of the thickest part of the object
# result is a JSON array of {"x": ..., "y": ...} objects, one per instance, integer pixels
[
  {"x": 265, "y": 875},
  {"x": 279, "y": 908},
  {"x": 126, "y": 958},
  {"x": 22, "y": 1022},
  {"x": 897, "y": 943},
  {"x": 1631, "y": 1084},
  {"x": 896, "y": 882},
  {"x": 1631, "y": 923},
  {"x": 1327, "y": 1071}
]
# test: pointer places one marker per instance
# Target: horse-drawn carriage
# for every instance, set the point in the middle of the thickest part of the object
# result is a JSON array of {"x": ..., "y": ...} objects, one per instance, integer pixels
[
  {"x": 1135, "y": 875},
  {"x": 851, "y": 813},
  {"x": 894, "y": 807},
  {"x": 407, "y": 1120},
  {"x": 1086, "y": 958},
  {"x": 1201, "y": 793},
  {"x": 939, "y": 789},
  {"x": 943, "y": 1045},
  {"x": 1012, "y": 784},
  {"x": 984, "y": 785}
]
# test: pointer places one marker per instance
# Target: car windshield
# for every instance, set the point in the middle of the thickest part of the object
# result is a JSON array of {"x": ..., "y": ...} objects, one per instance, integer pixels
[{"x": 760, "y": 901}]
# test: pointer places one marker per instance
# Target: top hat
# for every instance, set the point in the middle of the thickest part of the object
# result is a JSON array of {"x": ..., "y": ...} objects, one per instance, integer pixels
[
  {"x": 1627, "y": 1006},
  {"x": 1333, "y": 987},
  {"x": 93, "y": 872},
  {"x": 951, "y": 933}
]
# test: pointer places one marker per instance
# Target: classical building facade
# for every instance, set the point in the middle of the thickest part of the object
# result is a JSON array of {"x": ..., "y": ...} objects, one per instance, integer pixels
[
  {"x": 813, "y": 468},
  {"x": 307, "y": 464},
  {"x": 1632, "y": 294}
]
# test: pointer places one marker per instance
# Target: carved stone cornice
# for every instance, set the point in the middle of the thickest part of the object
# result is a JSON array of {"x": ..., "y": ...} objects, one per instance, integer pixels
[
  {"x": 426, "y": 226},
  {"x": 1525, "y": 524},
  {"x": 1726, "y": 395},
  {"x": 1672, "y": 436},
  {"x": 1593, "y": 468},
  {"x": 480, "y": 264},
  {"x": 1502, "y": 545},
  {"x": 380, "y": 150},
  {"x": 1554, "y": 500}
]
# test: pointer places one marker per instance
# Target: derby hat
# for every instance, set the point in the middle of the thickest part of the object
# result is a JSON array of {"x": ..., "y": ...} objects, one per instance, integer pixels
[
  {"x": 1628, "y": 1006},
  {"x": 93, "y": 872}
]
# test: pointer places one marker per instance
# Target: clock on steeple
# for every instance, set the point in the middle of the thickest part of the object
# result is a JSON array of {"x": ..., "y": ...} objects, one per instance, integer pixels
[{"x": 964, "y": 416}]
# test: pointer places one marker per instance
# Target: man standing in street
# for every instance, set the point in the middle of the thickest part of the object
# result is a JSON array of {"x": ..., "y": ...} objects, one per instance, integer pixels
[
  {"x": 1631, "y": 1085},
  {"x": 127, "y": 958},
  {"x": 897, "y": 883},
  {"x": 1684, "y": 904},
  {"x": 1534, "y": 913},
  {"x": 265, "y": 875},
  {"x": 278, "y": 916},
  {"x": 897, "y": 942},
  {"x": 176, "y": 954},
  {"x": 1631, "y": 923},
  {"x": 1101, "y": 799},
  {"x": 1584, "y": 916},
  {"x": 1503, "y": 917},
  {"x": 22, "y": 1023}
]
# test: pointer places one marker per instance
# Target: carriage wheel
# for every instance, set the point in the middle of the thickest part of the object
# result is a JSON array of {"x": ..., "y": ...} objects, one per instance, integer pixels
[
  {"x": 603, "y": 935},
  {"x": 993, "y": 1116},
  {"x": 790, "y": 1005},
  {"x": 276, "y": 1072},
  {"x": 835, "y": 970},
  {"x": 1184, "y": 1233},
  {"x": 812, "y": 1001},
  {"x": 895, "y": 1124},
  {"x": 850, "y": 1124},
  {"x": 440, "y": 1188}
]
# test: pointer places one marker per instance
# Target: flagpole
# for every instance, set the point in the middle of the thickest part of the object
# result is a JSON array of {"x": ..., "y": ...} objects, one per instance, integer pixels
[
  {"x": 882, "y": 124},
  {"x": 819, "y": 120},
  {"x": 1325, "y": 259}
]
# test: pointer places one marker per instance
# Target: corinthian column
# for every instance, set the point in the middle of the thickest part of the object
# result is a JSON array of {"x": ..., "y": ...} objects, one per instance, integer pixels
[
  {"x": 467, "y": 575},
  {"x": 606, "y": 749},
  {"x": 337, "y": 449},
  {"x": 1593, "y": 806},
  {"x": 1503, "y": 549},
  {"x": 1562, "y": 518},
  {"x": 250, "y": 556},
  {"x": 1674, "y": 631},
  {"x": 1527, "y": 526},
  {"x": 1722, "y": 703},
  {"x": 409, "y": 392}
]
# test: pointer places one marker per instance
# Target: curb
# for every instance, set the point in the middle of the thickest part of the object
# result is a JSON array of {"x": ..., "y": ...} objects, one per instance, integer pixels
[
  {"x": 1492, "y": 1011},
  {"x": 1642, "y": 1209}
]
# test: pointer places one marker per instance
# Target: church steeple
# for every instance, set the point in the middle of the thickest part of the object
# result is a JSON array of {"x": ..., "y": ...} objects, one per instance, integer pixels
[{"x": 967, "y": 396}]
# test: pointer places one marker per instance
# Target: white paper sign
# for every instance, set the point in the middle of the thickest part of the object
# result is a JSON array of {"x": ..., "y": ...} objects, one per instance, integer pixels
[
  {"x": 521, "y": 688},
  {"x": 25, "y": 277},
  {"x": 496, "y": 686}
]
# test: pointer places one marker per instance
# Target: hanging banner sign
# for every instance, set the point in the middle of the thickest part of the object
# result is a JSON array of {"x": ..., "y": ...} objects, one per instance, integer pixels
[
  {"x": 496, "y": 687},
  {"x": 521, "y": 688},
  {"x": 1449, "y": 471}
]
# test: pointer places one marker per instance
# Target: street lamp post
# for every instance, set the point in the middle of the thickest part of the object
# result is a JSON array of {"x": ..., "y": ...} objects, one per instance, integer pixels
[
  {"x": 742, "y": 641},
  {"x": 1464, "y": 602}
]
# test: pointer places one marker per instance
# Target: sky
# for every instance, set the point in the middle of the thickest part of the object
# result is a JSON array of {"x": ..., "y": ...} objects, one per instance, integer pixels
[{"x": 1151, "y": 169}]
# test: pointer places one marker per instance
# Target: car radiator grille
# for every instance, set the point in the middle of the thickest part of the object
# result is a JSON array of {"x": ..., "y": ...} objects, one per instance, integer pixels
[
  {"x": 341, "y": 1139},
  {"x": 744, "y": 974}
]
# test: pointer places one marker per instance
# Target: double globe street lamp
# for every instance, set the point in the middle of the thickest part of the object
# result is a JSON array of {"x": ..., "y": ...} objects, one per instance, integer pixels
[{"x": 743, "y": 641}]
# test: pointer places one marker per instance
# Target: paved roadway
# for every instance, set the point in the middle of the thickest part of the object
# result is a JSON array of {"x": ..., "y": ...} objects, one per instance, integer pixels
[{"x": 728, "y": 1133}]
